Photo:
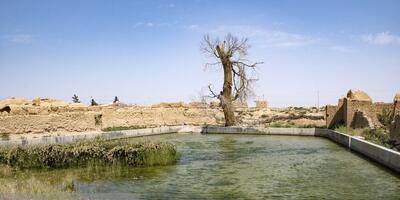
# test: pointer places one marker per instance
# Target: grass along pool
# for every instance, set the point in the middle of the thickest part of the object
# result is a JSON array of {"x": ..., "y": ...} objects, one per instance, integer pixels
[{"x": 220, "y": 167}]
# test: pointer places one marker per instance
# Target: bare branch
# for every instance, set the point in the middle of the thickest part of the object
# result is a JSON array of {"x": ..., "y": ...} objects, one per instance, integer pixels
[
  {"x": 213, "y": 95},
  {"x": 212, "y": 64},
  {"x": 208, "y": 46},
  {"x": 246, "y": 64}
]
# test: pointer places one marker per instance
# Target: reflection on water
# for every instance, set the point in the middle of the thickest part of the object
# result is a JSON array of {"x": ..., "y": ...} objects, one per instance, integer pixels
[{"x": 221, "y": 167}]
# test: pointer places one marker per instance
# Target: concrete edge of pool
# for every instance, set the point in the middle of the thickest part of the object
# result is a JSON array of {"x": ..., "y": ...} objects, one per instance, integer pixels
[{"x": 382, "y": 155}]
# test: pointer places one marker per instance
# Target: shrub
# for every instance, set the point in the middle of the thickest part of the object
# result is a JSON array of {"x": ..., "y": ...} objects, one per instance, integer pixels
[
  {"x": 4, "y": 136},
  {"x": 93, "y": 102},
  {"x": 85, "y": 152},
  {"x": 310, "y": 126},
  {"x": 281, "y": 124},
  {"x": 121, "y": 128},
  {"x": 346, "y": 130},
  {"x": 75, "y": 99},
  {"x": 377, "y": 136},
  {"x": 116, "y": 100},
  {"x": 385, "y": 117}
]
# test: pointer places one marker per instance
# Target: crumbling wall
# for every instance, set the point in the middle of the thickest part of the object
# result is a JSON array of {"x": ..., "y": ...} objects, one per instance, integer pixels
[
  {"x": 357, "y": 101},
  {"x": 105, "y": 117},
  {"x": 361, "y": 120},
  {"x": 261, "y": 104},
  {"x": 44, "y": 115},
  {"x": 381, "y": 107},
  {"x": 145, "y": 116},
  {"x": 64, "y": 122},
  {"x": 365, "y": 107},
  {"x": 334, "y": 115}
]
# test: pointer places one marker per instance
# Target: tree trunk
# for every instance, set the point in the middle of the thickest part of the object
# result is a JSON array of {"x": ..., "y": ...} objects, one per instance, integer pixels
[
  {"x": 226, "y": 94},
  {"x": 227, "y": 107}
]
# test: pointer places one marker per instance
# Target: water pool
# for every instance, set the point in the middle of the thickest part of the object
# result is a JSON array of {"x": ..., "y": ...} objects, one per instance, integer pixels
[{"x": 225, "y": 167}]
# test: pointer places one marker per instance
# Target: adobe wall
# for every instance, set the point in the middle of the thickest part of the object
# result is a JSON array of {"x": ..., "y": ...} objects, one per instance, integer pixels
[
  {"x": 371, "y": 110},
  {"x": 379, "y": 106},
  {"x": 46, "y": 116},
  {"x": 364, "y": 106},
  {"x": 145, "y": 116},
  {"x": 334, "y": 114},
  {"x": 344, "y": 112},
  {"x": 64, "y": 122},
  {"x": 261, "y": 104},
  {"x": 32, "y": 120}
]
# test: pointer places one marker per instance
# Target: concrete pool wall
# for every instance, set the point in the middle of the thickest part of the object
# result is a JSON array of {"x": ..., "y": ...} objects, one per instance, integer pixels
[{"x": 382, "y": 155}]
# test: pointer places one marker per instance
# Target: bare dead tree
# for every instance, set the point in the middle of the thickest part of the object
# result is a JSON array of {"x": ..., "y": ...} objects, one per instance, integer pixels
[{"x": 231, "y": 55}]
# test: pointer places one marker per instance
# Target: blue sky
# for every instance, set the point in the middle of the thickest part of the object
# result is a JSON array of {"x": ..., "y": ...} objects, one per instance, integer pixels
[{"x": 148, "y": 51}]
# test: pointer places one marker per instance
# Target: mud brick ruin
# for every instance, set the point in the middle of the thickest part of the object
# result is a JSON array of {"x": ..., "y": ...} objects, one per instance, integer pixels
[
  {"x": 261, "y": 104},
  {"x": 357, "y": 110}
]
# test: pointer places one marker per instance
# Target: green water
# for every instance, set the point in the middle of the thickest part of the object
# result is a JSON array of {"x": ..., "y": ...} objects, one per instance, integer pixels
[{"x": 221, "y": 167}]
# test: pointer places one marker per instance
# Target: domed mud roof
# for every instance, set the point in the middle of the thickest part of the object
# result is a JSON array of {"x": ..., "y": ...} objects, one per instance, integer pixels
[{"x": 358, "y": 95}]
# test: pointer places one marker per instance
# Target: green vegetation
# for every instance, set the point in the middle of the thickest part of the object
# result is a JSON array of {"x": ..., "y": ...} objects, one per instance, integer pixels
[
  {"x": 348, "y": 130},
  {"x": 377, "y": 136},
  {"x": 87, "y": 152},
  {"x": 75, "y": 99},
  {"x": 4, "y": 136},
  {"x": 289, "y": 124},
  {"x": 116, "y": 100},
  {"x": 281, "y": 124},
  {"x": 122, "y": 128},
  {"x": 34, "y": 188},
  {"x": 386, "y": 117},
  {"x": 309, "y": 126},
  {"x": 63, "y": 183},
  {"x": 93, "y": 102}
]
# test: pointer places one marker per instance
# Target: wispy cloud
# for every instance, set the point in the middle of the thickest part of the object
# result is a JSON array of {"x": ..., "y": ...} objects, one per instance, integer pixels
[
  {"x": 194, "y": 27},
  {"x": 20, "y": 38},
  {"x": 143, "y": 24},
  {"x": 261, "y": 36},
  {"x": 343, "y": 49},
  {"x": 382, "y": 38},
  {"x": 150, "y": 24}
]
